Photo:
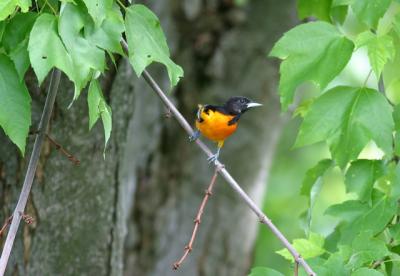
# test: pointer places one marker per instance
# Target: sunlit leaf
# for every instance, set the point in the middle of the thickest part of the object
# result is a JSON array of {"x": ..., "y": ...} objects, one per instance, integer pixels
[
  {"x": 98, "y": 9},
  {"x": 380, "y": 49},
  {"x": 46, "y": 49},
  {"x": 86, "y": 57},
  {"x": 147, "y": 42},
  {"x": 98, "y": 107},
  {"x": 109, "y": 34},
  {"x": 7, "y": 7},
  {"x": 361, "y": 175},
  {"x": 315, "y": 52},
  {"x": 347, "y": 118},
  {"x": 307, "y": 248},
  {"x": 369, "y": 12}
]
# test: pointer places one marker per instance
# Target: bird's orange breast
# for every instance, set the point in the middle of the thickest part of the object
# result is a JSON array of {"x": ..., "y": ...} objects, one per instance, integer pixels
[{"x": 215, "y": 125}]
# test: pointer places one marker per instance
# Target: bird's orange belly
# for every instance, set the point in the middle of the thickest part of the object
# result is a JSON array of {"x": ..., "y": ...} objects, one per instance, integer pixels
[{"x": 215, "y": 125}]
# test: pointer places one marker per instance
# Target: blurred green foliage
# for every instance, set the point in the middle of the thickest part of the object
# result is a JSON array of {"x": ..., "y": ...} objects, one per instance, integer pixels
[{"x": 284, "y": 205}]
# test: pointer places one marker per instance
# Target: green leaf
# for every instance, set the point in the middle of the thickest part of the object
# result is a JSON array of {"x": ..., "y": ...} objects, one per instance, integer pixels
[
  {"x": 307, "y": 248},
  {"x": 396, "y": 117},
  {"x": 348, "y": 210},
  {"x": 318, "y": 8},
  {"x": 366, "y": 249},
  {"x": 98, "y": 9},
  {"x": 361, "y": 176},
  {"x": 109, "y": 35},
  {"x": 339, "y": 13},
  {"x": 312, "y": 185},
  {"x": 264, "y": 271},
  {"x": 15, "y": 101},
  {"x": 7, "y": 7},
  {"x": 392, "y": 179},
  {"x": 375, "y": 219},
  {"x": 313, "y": 175},
  {"x": 335, "y": 266},
  {"x": 380, "y": 50},
  {"x": 2, "y": 28},
  {"x": 25, "y": 5},
  {"x": 147, "y": 42},
  {"x": 369, "y": 12},
  {"x": 364, "y": 271},
  {"x": 394, "y": 231},
  {"x": 46, "y": 49},
  {"x": 336, "y": 3},
  {"x": 391, "y": 70},
  {"x": 98, "y": 107},
  {"x": 86, "y": 57},
  {"x": 303, "y": 108},
  {"x": 314, "y": 51},
  {"x": 15, "y": 40},
  {"x": 347, "y": 118}
]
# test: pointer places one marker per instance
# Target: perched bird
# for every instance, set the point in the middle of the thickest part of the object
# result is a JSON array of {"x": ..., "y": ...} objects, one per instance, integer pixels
[{"x": 217, "y": 122}]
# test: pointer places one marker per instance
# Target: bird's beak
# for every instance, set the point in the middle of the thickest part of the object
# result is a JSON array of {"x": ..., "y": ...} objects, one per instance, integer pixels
[{"x": 250, "y": 105}]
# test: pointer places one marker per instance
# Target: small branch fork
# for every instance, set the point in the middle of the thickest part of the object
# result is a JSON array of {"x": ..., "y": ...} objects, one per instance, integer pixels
[
  {"x": 30, "y": 172},
  {"x": 59, "y": 147},
  {"x": 223, "y": 172},
  {"x": 28, "y": 220},
  {"x": 197, "y": 221}
]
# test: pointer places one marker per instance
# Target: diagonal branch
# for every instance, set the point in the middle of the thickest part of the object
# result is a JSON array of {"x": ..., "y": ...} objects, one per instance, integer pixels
[
  {"x": 30, "y": 172},
  {"x": 224, "y": 173}
]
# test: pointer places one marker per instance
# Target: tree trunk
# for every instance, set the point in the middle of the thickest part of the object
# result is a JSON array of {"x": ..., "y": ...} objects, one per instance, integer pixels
[{"x": 133, "y": 212}]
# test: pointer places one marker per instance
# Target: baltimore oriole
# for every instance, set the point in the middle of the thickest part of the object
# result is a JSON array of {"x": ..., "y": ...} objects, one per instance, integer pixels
[{"x": 217, "y": 122}]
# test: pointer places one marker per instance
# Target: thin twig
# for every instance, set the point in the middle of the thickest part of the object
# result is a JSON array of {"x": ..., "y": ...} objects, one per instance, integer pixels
[
  {"x": 62, "y": 150},
  {"x": 5, "y": 225},
  {"x": 197, "y": 221},
  {"x": 30, "y": 173},
  {"x": 296, "y": 268},
  {"x": 223, "y": 172}
]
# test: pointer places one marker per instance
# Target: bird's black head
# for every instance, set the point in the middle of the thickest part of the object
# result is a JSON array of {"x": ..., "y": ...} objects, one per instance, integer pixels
[{"x": 237, "y": 105}]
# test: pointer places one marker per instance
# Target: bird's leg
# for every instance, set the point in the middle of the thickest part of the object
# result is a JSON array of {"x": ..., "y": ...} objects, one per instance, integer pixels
[
  {"x": 214, "y": 157},
  {"x": 194, "y": 136}
]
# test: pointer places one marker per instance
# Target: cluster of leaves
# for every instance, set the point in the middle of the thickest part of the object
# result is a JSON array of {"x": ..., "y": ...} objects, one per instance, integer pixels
[
  {"x": 76, "y": 37},
  {"x": 366, "y": 241}
]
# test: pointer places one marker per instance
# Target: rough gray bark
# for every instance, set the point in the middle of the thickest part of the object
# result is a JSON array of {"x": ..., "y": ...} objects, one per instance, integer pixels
[{"x": 132, "y": 213}]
